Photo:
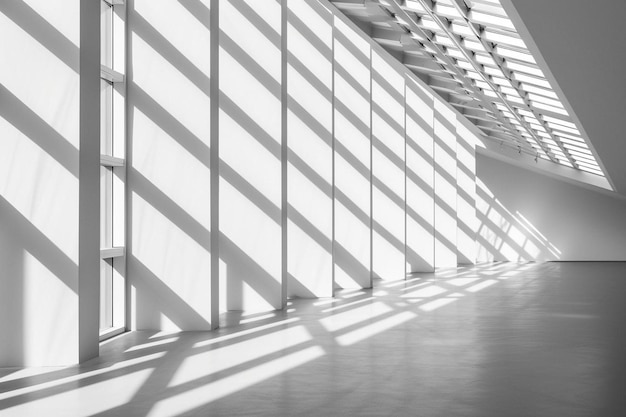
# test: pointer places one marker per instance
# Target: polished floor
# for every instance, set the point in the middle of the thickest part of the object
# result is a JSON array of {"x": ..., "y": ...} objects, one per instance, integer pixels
[{"x": 503, "y": 340}]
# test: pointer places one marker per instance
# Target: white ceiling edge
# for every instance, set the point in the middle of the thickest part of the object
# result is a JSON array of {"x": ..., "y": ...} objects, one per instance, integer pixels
[
  {"x": 527, "y": 37},
  {"x": 562, "y": 173}
]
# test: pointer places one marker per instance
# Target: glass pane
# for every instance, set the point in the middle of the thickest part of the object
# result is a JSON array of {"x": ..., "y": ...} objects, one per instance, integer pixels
[
  {"x": 106, "y": 35},
  {"x": 106, "y": 207},
  {"x": 106, "y": 294},
  {"x": 106, "y": 118},
  {"x": 118, "y": 125}
]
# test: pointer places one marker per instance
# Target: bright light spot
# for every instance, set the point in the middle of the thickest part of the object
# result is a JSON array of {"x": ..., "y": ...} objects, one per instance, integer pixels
[
  {"x": 152, "y": 344},
  {"x": 373, "y": 329},
  {"x": 244, "y": 332},
  {"x": 252, "y": 319},
  {"x": 482, "y": 285},
  {"x": 163, "y": 333},
  {"x": 354, "y": 316},
  {"x": 340, "y": 306},
  {"x": 80, "y": 401},
  {"x": 429, "y": 291},
  {"x": 208, "y": 393},
  {"x": 222, "y": 358},
  {"x": 460, "y": 282},
  {"x": 324, "y": 302},
  {"x": 33, "y": 388},
  {"x": 344, "y": 296},
  {"x": 435, "y": 304},
  {"x": 421, "y": 284}
]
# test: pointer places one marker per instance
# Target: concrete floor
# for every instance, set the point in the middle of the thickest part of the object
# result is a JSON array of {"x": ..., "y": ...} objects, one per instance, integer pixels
[{"x": 499, "y": 340}]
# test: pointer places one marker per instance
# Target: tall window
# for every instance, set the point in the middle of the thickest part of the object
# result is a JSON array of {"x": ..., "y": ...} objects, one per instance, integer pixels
[{"x": 112, "y": 168}]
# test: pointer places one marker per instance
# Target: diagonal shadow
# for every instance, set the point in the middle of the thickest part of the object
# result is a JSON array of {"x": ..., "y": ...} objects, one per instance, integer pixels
[
  {"x": 42, "y": 31},
  {"x": 13, "y": 110},
  {"x": 39, "y": 245}
]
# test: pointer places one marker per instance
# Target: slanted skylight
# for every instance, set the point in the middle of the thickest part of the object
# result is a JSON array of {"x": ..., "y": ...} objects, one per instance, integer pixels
[{"x": 478, "y": 62}]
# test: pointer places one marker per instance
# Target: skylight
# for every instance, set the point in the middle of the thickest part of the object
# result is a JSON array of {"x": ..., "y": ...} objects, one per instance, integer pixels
[{"x": 474, "y": 40}]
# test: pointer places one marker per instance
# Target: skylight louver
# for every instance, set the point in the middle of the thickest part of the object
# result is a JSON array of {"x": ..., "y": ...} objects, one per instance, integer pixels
[{"x": 476, "y": 43}]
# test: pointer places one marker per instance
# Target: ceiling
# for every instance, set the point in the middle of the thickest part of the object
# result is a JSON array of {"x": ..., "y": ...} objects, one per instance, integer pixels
[
  {"x": 479, "y": 56},
  {"x": 582, "y": 47}
]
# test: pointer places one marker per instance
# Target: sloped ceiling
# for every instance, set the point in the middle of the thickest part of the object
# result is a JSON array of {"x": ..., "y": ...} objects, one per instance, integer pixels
[
  {"x": 583, "y": 47},
  {"x": 516, "y": 87}
]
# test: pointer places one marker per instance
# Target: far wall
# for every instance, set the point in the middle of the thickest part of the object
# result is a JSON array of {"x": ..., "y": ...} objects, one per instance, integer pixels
[{"x": 528, "y": 216}]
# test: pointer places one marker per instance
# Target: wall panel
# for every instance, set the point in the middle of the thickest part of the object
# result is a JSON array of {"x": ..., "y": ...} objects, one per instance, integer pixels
[
  {"x": 352, "y": 158},
  {"x": 420, "y": 172},
  {"x": 310, "y": 151},
  {"x": 250, "y": 134},
  {"x": 388, "y": 170},
  {"x": 169, "y": 178},
  {"x": 445, "y": 186}
]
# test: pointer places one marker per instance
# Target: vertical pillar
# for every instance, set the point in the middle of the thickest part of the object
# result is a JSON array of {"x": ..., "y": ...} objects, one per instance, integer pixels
[
  {"x": 445, "y": 186},
  {"x": 310, "y": 153},
  {"x": 466, "y": 194},
  {"x": 169, "y": 259},
  {"x": 250, "y": 126},
  {"x": 388, "y": 170},
  {"x": 89, "y": 182},
  {"x": 420, "y": 204},
  {"x": 352, "y": 158}
]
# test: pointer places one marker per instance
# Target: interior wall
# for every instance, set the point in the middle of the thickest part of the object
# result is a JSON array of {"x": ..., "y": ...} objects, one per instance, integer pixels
[
  {"x": 169, "y": 178},
  {"x": 525, "y": 216},
  {"x": 445, "y": 160},
  {"x": 250, "y": 149},
  {"x": 39, "y": 183},
  {"x": 310, "y": 149},
  {"x": 352, "y": 157},
  {"x": 420, "y": 179},
  {"x": 388, "y": 168}
]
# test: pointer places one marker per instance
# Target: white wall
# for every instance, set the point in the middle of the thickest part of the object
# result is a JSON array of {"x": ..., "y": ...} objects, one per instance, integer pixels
[
  {"x": 388, "y": 168},
  {"x": 250, "y": 134},
  {"x": 41, "y": 92},
  {"x": 420, "y": 179},
  {"x": 352, "y": 192},
  {"x": 445, "y": 184},
  {"x": 310, "y": 153},
  {"x": 168, "y": 253},
  {"x": 466, "y": 141},
  {"x": 527, "y": 216}
]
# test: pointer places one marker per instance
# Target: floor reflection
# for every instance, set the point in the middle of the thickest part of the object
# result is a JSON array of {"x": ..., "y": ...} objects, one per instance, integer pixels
[{"x": 538, "y": 339}]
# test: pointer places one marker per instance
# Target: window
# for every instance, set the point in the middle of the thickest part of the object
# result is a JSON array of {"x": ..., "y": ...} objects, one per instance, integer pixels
[{"x": 112, "y": 168}]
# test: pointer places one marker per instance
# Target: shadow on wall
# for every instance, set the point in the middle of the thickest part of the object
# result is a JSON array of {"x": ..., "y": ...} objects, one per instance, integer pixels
[
  {"x": 504, "y": 235},
  {"x": 352, "y": 159},
  {"x": 38, "y": 184},
  {"x": 250, "y": 134},
  {"x": 169, "y": 170},
  {"x": 309, "y": 156},
  {"x": 388, "y": 170}
]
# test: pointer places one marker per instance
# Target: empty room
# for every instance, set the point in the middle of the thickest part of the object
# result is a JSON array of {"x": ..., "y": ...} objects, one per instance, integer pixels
[{"x": 312, "y": 208}]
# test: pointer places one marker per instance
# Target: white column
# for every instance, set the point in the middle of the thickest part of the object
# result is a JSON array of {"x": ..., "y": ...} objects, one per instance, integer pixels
[
  {"x": 40, "y": 113},
  {"x": 250, "y": 168},
  {"x": 445, "y": 186},
  {"x": 466, "y": 194},
  {"x": 420, "y": 204},
  {"x": 352, "y": 158},
  {"x": 388, "y": 170},
  {"x": 310, "y": 152},
  {"x": 169, "y": 178}
]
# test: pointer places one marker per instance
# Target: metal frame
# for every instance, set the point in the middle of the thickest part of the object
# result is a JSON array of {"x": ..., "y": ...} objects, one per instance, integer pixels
[
  {"x": 469, "y": 52},
  {"x": 116, "y": 253}
]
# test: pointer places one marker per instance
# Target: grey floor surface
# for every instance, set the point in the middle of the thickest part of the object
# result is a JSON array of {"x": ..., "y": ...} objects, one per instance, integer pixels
[{"x": 501, "y": 340}]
